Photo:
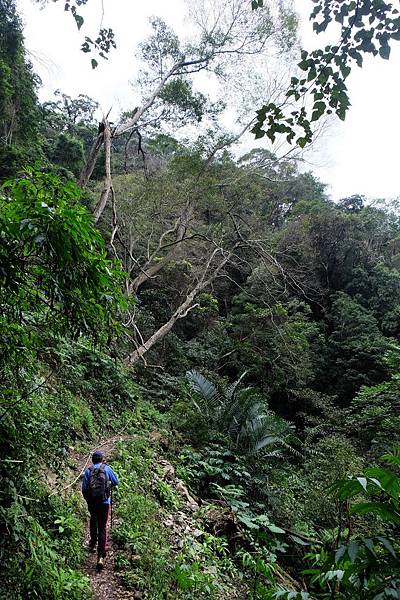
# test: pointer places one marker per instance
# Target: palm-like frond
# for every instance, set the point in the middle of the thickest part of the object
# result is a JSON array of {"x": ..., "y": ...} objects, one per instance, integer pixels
[
  {"x": 242, "y": 415},
  {"x": 231, "y": 389},
  {"x": 265, "y": 430},
  {"x": 238, "y": 409},
  {"x": 210, "y": 399}
]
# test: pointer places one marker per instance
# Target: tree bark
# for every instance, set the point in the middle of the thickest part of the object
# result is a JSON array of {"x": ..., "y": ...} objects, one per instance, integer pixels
[
  {"x": 102, "y": 203},
  {"x": 181, "y": 312},
  {"x": 184, "y": 308},
  {"x": 90, "y": 164}
]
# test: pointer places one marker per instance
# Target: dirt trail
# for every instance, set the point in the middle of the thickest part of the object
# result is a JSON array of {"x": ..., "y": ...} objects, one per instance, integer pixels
[{"x": 106, "y": 584}]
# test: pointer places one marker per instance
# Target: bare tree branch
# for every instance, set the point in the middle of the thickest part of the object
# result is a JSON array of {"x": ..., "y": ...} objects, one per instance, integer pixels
[{"x": 187, "y": 304}]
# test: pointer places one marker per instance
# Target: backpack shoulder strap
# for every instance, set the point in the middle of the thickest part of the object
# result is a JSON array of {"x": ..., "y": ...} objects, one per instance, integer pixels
[{"x": 104, "y": 468}]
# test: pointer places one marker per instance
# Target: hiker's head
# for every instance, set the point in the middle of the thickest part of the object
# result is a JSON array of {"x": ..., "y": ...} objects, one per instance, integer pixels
[{"x": 97, "y": 457}]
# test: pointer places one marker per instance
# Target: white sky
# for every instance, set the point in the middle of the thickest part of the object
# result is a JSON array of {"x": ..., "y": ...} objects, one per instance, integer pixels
[{"x": 358, "y": 156}]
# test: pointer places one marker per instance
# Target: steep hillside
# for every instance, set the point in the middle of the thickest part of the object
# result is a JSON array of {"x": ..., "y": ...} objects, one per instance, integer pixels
[{"x": 217, "y": 325}]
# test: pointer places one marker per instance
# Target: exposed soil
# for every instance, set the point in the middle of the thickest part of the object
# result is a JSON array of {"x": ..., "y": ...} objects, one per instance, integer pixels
[{"x": 180, "y": 523}]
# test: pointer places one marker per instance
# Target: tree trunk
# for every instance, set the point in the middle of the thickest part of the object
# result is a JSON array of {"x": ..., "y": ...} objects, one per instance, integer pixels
[
  {"x": 100, "y": 206},
  {"x": 90, "y": 164},
  {"x": 180, "y": 312}
]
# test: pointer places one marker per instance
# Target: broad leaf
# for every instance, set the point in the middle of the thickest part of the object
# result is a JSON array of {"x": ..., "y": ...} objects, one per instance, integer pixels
[{"x": 383, "y": 511}]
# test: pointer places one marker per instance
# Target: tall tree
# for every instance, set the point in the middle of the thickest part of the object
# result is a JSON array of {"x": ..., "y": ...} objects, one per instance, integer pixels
[
  {"x": 67, "y": 128},
  {"x": 19, "y": 114},
  {"x": 224, "y": 35}
]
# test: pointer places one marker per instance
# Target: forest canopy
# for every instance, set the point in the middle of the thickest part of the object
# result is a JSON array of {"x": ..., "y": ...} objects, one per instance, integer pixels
[{"x": 209, "y": 315}]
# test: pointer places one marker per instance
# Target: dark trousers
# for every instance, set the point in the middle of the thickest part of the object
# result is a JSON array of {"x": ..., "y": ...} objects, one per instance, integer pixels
[{"x": 98, "y": 527}]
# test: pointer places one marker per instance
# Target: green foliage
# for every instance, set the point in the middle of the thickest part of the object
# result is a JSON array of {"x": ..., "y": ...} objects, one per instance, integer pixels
[
  {"x": 54, "y": 405},
  {"x": 67, "y": 128},
  {"x": 162, "y": 44},
  {"x": 168, "y": 496},
  {"x": 190, "y": 578},
  {"x": 365, "y": 567},
  {"x": 68, "y": 152},
  {"x": 300, "y": 497},
  {"x": 140, "y": 533},
  {"x": 179, "y": 93},
  {"x": 212, "y": 465},
  {"x": 67, "y": 113},
  {"x": 356, "y": 346},
  {"x": 73, "y": 286},
  {"x": 204, "y": 569},
  {"x": 18, "y": 104},
  {"x": 374, "y": 416},
  {"x": 44, "y": 547},
  {"x": 56, "y": 279},
  {"x": 102, "y": 381},
  {"x": 367, "y": 27},
  {"x": 100, "y": 45},
  {"x": 291, "y": 343},
  {"x": 307, "y": 306},
  {"x": 239, "y": 414}
]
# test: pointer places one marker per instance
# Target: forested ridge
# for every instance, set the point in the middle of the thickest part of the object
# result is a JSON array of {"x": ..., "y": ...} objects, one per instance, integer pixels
[{"x": 213, "y": 319}]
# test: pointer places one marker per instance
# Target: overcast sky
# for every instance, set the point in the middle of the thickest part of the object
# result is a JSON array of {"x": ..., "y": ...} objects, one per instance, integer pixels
[{"x": 358, "y": 156}]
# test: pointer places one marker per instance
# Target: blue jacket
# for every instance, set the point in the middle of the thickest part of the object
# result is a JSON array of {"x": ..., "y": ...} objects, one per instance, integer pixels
[{"x": 110, "y": 474}]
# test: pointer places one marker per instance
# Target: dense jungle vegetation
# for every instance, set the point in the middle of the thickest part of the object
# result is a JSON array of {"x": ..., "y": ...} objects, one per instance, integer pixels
[{"x": 237, "y": 325}]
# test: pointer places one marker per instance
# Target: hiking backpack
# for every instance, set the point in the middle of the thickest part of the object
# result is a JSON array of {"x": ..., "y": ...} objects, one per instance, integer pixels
[{"x": 98, "y": 485}]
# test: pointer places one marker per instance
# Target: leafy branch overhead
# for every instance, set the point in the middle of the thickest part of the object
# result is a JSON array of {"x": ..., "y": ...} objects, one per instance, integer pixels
[
  {"x": 53, "y": 260},
  {"x": 105, "y": 40},
  {"x": 102, "y": 44},
  {"x": 367, "y": 27}
]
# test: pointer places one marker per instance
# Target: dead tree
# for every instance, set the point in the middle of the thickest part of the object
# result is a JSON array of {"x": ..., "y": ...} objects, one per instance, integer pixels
[
  {"x": 188, "y": 304},
  {"x": 107, "y": 185}
]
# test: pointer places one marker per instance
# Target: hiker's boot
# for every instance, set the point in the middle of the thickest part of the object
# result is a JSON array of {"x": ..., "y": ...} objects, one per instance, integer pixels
[{"x": 100, "y": 563}]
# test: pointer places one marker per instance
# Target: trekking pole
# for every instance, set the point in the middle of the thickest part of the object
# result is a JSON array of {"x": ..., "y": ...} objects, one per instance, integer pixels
[{"x": 111, "y": 508}]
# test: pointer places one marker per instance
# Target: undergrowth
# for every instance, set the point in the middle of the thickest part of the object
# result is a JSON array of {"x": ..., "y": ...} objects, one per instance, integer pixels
[
  {"x": 45, "y": 548},
  {"x": 145, "y": 560},
  {"x": 202, "y": 568},
  {"x": 74, "y": 395}
]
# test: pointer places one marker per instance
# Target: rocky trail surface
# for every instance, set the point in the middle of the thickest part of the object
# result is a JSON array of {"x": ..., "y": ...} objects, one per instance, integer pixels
[{"x": 181, "y": 523}]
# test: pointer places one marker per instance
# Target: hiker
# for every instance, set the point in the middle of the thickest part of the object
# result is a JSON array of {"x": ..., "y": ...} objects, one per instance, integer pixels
[{"x": 96, "y": 489}]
